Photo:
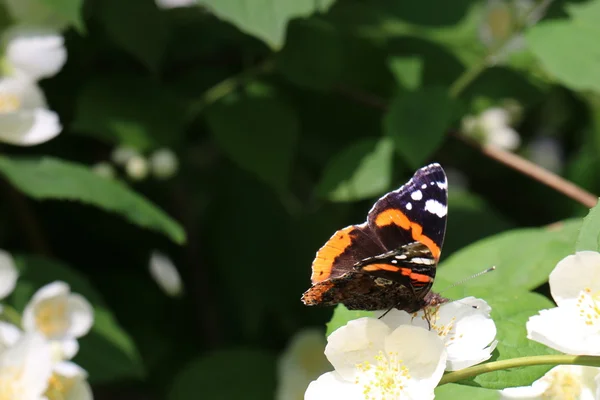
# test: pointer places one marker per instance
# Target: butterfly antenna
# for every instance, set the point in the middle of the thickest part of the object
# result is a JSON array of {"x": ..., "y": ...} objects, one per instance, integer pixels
[{"x": 485, "y": 271}]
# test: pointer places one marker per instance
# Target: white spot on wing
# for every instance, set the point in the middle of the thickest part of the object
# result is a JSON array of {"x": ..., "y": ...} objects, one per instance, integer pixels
[
  {"x": 409, "y": 206},
  {"x": 424, "y": 186},
  {"x": 435, "y": 207},
  {"x": 394, "y": 261},
  {"x": 401, "y": 257},
  {"x": 416, "y": 195},
  {"x": 443, "y": 185},
  {"x": 424, "y": 261}
]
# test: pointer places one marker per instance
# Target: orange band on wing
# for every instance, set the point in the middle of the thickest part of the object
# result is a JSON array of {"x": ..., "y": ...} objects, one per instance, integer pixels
[
  {"x": 414, "y": 276},
  {"x": 397, "y": 217},
  {"x": 323, "y": 263},
  {"x": 380, "y": 267}
]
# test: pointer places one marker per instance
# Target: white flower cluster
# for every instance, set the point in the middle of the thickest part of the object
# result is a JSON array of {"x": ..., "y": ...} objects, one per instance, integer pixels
[
  {"x": 400, "y": 356},
  {"x": 162, "y": 163},
  {"x": 33, "y": 50},
  {"x": 35, "y": 354},
  {"x": 404, "y": 355},
  {"x": 493, "y": 127}
]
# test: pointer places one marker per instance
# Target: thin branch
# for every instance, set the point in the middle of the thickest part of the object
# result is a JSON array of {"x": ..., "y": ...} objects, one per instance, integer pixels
[
  {"x": 509, "y": 159},
  {"x": 534, "y": 171},
  {"x": 227, "y": 86}
]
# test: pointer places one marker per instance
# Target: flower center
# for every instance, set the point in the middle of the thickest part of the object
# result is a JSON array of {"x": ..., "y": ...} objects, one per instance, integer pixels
[
  {"x": 445, "y": 331},
  {"x": 51, "y": 317},
  {"x": 384, "y": 379},
  {"x": 588, "y": 304},
  {"x": 10, "y": 385},
  {"x": 58, "y": 388},
  {"x": 564, "y": 385},
  {"x": 9, "y": 103}
]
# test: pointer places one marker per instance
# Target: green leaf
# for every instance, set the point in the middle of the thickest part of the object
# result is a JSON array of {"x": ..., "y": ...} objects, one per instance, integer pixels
[
  {"x": 144, "y": 37},
  {"x": 51, "y": 178},
  {"x": 407, "y": 71},
  {"x": 523, "y": 258},
  {"x": 265, "y": 19},
  {"x": 589, "y": 235},
  {"x": 68, "y": 10},
  {"x": 252, "y": 371},
  {"x": 312, "y": 56},
  {"x": 360, "y": 171},
  {"x": 245, "y": 125},
  {"x": 510, "y": 312},
  {"x": 130, "y": 110},
  {"x": 107, "y": 352},
  {"x": 471, "y": 218},
  {"x": 341, "y": 316},
  {"x": 552, "y": 42},
  {"x": 453, "y": 391},
  {"x": 417, "y": 122}
]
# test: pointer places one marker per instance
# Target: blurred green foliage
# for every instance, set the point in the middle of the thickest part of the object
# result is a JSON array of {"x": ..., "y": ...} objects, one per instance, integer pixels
[{"x": 289, "y": 118}]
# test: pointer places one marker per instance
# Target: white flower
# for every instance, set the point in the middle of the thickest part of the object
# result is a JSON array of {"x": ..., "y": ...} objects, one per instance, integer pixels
[
  {"x": 35, "y": 54},
  {"x": 175, "y": 3},
  {"x": 165, "y": 274},
  {"x": 301, "y": 362},
  {"x": 25, "y": 119},
  {"x": 464, "y": 326},
  {"x": 8, "y": 274},
  {"x": 492, "y": 127},
  {"x": 574, "y": 326},
  {"x": 25, "y": 368},
  {"x": 371, "y": 359},
  {"x": 164, "y": 163},
  {"x": 69, "y": 382},
  {"x": 561, "y": 382},
  {"x": 58, "y": 314},
  {"x": 137, "y": 168}
]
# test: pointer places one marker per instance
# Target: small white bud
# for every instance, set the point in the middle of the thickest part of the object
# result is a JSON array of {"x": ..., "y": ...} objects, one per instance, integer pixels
[
  {"x": 137, "y": 168},
  {"x": 164, "y": 163},
  {"x": 104, "y": 169},
  {"x": 165, "y": 274}
]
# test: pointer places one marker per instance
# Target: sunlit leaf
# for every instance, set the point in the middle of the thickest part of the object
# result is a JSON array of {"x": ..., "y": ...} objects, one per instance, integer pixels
[{"x": 51, "y": 178}]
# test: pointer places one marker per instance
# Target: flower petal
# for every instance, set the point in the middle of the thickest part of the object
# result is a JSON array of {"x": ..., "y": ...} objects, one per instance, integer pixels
[
  {"x": 8, "y": 274},
  {"x": 37, "y": 53},
  {"x": 332, "y": 386},
  {"x": 561, "y": 382},
  {"x": 165, "y": 274},
  {"x": 562, "y": 329},
  {"x": 358, "y": 341},
  {"x": 71, "y": 381},
  {"x": 81, "y": 315},
  {"x": 421, "y": 351},
  {"x": 573, "y": 274},
  {"x": 9, "y": 335},
  {"x": 27, "y": 365},
  {"x": 300, "y": 363}
]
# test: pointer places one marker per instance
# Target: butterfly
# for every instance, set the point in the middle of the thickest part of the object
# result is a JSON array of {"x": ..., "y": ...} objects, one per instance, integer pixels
[{"x": 390, "y": 260}]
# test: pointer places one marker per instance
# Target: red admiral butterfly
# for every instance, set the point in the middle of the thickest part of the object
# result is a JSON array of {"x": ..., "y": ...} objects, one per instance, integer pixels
[{"x": 390, "y": 260}]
